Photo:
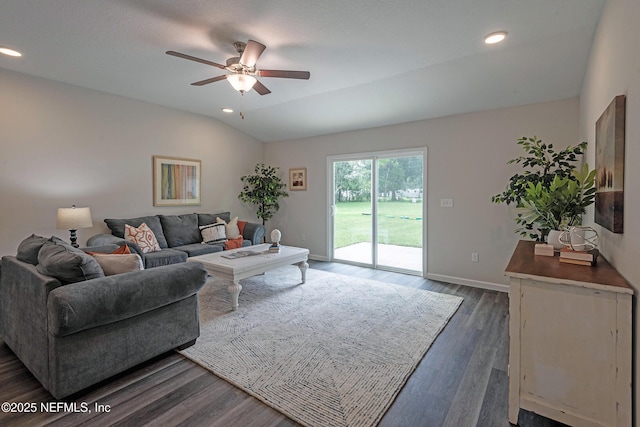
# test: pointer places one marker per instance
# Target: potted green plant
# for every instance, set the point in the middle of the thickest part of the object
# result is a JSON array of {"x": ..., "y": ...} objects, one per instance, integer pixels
[
  {"x": 561, "y": 204},
  {"x": 551, "y": 193},
  {"x": 263, "y": 189}
]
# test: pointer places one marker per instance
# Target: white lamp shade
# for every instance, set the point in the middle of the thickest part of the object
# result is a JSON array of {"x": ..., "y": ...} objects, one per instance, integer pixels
[
  {"x": 73, "y": 218},
  {"x": 242, "y": 82}
]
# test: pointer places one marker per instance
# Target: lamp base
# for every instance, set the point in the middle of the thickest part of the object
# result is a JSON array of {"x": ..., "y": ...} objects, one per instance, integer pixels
[{"x": 73, "y": 238}]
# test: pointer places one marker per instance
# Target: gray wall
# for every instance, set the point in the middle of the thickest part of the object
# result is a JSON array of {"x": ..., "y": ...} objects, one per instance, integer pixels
[
  {"x": 614, "y": 69},
  {"x": 62, "y": 145},
  {"x": 467, "y": 156}
]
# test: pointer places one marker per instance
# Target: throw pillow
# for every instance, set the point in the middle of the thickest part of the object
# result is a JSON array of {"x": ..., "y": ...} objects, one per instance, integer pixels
[
  {"x": 231, "y": 227},
  {"x": 122, "y": 250},
  {"x": 143, "y": 237},
  {"x": 213, "y": 233},
  {"x": 67, "y": 264},
  {"x": 233, "y": 243},
  {"x": 28, "y": 249},
  {"x": 119, "y": 263},
  {"x": 241, "y": 225}
]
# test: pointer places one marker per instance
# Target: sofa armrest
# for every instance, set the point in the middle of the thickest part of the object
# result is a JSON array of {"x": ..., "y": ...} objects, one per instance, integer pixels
[
  {"x": 110, "y": 239},
  {"x": 23, "y": 315},
  {"x": 84, "y": 305},
  {"x": 254, "y": 232}
]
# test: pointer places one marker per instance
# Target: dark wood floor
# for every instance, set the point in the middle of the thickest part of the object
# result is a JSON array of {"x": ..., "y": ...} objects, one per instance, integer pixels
[{"x": 462, "y": 381}]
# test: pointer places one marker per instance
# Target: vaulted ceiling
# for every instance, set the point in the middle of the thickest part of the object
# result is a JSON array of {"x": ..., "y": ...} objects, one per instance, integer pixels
[{"x": 372, "y": 62}]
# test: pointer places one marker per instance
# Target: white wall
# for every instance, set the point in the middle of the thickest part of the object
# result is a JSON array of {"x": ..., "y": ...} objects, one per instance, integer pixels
[
  {"x": 467, "y": 156},
  {"x": 62, "y": 145},
  {"x": 614, "y": 69}
]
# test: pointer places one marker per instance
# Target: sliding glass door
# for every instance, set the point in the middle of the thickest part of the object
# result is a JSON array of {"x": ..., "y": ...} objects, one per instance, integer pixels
[{"x": 377, "y": 210}]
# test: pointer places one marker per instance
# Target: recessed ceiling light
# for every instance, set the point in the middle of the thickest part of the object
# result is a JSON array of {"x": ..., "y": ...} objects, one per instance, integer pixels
[
  {"x": 227, "y": 110},
  {"x": 496, "y": 37},
  {"x": 9, "y": 52}
]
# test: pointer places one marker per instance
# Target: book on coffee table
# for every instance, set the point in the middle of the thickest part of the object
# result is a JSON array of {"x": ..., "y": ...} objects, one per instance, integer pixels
[{"x": 240, "y": 254}]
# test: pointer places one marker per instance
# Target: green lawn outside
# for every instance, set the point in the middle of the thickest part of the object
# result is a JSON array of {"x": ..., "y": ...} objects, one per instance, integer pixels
[{"x": 397, "y": 223}]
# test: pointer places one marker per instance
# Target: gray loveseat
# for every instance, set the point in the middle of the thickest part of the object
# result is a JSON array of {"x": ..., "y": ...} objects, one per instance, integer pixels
[
  {"x": 178, "y": 236},
  {"x": 77, "y": 329}
]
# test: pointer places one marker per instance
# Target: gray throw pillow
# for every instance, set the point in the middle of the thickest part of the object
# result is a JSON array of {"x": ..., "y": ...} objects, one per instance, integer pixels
[
  {"x": 66, "y": 263},
  {"x": 29, "y": 247}
]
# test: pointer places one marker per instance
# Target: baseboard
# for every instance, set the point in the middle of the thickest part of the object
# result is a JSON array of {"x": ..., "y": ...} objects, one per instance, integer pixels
[
  {"x": 468, "y": 282},
  {"x": 318, "y": 258}
]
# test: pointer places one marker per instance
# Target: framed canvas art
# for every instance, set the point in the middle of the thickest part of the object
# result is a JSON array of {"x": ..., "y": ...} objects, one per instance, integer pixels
[
  {"x": 610, "y": 128},
  {"x": 297, "y": 179},
  {"x": 176, "y": 182}
]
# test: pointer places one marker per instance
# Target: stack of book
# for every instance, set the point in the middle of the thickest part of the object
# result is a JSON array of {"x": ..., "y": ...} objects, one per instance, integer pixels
[
  {"x": 570, "y": 256},
  {"x": 274, "y": 248}
]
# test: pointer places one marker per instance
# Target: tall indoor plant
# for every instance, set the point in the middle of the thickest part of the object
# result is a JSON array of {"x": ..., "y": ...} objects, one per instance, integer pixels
[
  {"x": 264, "y": 189},
  {"x": 551, "y": 193}
]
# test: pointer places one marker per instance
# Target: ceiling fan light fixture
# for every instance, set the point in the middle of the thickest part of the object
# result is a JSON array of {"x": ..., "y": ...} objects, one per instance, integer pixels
[
  {"x": 496, "y": 37},
  {"x": 242, "y": 82},
  {"x": 227, "y": 110}
]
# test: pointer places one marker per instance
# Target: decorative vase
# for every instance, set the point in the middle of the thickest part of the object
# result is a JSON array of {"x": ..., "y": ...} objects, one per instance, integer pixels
[{"x": 553, "y": 238}]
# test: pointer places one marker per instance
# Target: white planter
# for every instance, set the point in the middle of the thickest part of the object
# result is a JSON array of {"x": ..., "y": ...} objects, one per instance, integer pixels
[{"x": 553, "y": 238}]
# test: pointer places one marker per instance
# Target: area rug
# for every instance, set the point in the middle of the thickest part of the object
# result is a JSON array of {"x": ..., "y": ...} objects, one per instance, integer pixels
[{"x": 334, "y": 351}]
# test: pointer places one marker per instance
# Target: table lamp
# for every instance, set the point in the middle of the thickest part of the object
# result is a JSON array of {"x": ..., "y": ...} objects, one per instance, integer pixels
[{"x": 73, "y": 218}]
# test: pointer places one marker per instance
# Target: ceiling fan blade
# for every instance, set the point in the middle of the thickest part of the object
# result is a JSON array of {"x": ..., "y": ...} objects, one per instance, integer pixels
[
  {"x": 252, "y": 52},
  {"x": 261, "y": 89},
  {"x": 284, "y": 74},
  {"x": 193, "y": 58},
  {"x": 211, "y": 80}
]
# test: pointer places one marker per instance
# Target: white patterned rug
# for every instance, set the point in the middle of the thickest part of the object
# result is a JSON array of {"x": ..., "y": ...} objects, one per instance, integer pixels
[{"x": 335, "y": 351}]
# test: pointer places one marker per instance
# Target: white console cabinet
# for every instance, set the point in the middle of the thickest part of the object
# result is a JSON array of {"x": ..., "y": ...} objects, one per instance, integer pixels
[{"x": 570, "y": 351}]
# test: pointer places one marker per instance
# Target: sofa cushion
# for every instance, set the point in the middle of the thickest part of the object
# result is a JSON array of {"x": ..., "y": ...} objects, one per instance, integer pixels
[
  {"x": 66, "y": 263},
  {"x": 180, "y": 230},
  {"x": 119, "y": 263},
  {"x": 28, "y": 249},
  {"x": 164, "y": 257},
  {"x": 206, "y": 219},
  {"x": 196, "y": 249},
  {"x": 117, "y": 227},
  {"x": 213, "y": 233},
  {"x": 142, "y": 236}
]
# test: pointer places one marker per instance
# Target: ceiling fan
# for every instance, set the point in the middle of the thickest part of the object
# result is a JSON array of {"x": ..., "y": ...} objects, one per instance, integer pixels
[{"x": 243, "y": 68}]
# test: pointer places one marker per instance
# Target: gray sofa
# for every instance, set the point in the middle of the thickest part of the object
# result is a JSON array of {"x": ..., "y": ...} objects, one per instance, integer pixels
[
  {"x": 81, "y": 327},
  {"x": 178, "y": 236}
]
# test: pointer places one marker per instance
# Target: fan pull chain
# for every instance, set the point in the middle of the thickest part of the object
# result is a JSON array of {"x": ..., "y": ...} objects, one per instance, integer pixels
[{"x": 241, "y": 103}]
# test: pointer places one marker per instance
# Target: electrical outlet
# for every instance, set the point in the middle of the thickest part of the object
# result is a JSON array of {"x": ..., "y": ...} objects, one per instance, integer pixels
[
  {"x": 304, "y": 237},
  {"x": 446, "y": 203},
  {"x": 474, "y": 257}
]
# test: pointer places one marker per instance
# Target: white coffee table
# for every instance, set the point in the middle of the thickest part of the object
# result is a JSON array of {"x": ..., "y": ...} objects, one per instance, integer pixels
[{"x": 234, "y": 270}]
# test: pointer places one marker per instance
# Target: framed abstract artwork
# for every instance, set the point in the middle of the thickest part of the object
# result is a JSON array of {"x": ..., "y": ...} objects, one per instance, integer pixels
[
  {"x": 297, "y": 179},
  {"x": 610, "y": 129},
  {"x": 176, "y": 181}
]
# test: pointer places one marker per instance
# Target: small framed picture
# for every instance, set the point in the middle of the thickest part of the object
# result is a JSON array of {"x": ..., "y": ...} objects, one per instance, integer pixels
[
  {"x": 176, "y": 182},
  {"x": 297, "y": 179}
]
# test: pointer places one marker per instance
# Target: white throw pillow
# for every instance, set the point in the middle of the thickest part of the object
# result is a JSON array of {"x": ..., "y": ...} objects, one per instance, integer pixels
[
  {"x": 116, "y": 264},
  {"x": 213, "y": 233},
  {"x": 232, "y": 230},
  {"x": 143, "y": 237}
]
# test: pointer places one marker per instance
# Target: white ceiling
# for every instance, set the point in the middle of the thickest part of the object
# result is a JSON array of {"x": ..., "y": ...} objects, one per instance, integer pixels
[{"x": 372, "y": 62}]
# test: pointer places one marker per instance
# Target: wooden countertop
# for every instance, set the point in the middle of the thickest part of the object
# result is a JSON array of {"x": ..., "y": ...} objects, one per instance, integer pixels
[{"x": 525, "y": 265}]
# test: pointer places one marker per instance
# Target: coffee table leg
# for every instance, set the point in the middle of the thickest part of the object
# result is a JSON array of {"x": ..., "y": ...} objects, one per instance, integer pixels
[
  {"x": 303, "y": 269},
  {"x": 234, "y": 289}
]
